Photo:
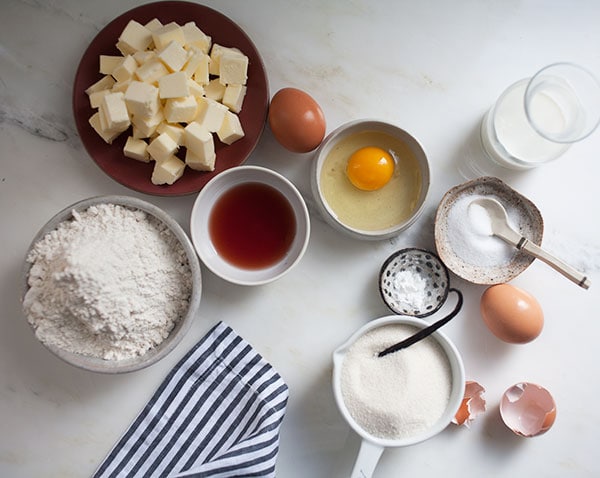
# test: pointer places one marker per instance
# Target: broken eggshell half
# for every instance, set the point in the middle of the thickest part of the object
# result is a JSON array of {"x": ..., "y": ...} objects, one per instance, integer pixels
[
  {"x": 528, "y": 409},
  {"x": 473, "y": 404}
]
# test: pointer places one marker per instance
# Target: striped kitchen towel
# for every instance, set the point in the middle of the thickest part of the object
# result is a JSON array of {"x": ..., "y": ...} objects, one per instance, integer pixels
[{"x": 217, "y": 414}]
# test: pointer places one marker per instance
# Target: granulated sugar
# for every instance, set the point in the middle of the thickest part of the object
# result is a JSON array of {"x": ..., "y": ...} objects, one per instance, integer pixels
[
  {"x": 401, "y": 394},
  {"x": 470, "y": 234},
  {"x": 110, "y": 283}
]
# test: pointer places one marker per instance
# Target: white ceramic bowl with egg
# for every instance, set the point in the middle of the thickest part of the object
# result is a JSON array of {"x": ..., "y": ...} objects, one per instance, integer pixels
[
  {"x": 182, "y": 325},
  {"x": 264, "y": 208},
  {"x": 377, "y": 214}
]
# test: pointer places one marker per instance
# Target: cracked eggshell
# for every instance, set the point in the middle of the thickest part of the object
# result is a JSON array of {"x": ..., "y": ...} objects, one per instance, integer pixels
[
  {"x": 473, "y": 404},
  {"x": 528, "y": 409}
]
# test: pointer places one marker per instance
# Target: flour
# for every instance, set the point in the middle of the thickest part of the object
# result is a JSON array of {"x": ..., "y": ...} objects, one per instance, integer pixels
[
  {"x": 401, "y": 394},
  {"x": 410, "y": 290},
  {"x": 110, "y": 283}
]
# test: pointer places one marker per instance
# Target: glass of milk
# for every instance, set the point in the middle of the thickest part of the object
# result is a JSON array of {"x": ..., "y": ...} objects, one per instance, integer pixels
[{"x": 536, "y": 119}]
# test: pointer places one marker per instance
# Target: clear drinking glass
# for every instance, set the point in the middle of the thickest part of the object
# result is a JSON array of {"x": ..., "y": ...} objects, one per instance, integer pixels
[{"x": 536, "y": 119}]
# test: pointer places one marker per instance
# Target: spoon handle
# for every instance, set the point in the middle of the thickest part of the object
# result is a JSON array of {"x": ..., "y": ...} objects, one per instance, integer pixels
[{"x": 580, "y": 279}]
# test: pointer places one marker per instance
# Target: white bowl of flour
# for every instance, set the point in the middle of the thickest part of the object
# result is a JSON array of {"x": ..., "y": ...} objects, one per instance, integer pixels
[
  {"x": 402, "y": 398},
  {"x": 111, "y": 284}
]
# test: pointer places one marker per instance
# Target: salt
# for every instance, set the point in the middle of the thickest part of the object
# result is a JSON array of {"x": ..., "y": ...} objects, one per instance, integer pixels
[
  {"x": 470, "y": 234},
  {"x": 401, "y": 394}
]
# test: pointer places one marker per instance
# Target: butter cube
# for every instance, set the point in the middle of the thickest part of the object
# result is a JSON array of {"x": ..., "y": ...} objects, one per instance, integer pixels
[
  {"x": 234, "y": 96},
  {"x": 196, "y": 37},
  {"x": 108, "y": 63},
  {"x": 233, "y": 69},
  {"x": 96, "y": 98},
  {"x": 125, "y": 69},
  {"x": 120, "y": 86},
  {"x": 210, "y": 114},
  {"x": 114, "y": 111},
  {"x": 206, "y": 163},
  {"x": 104, "y": 83},
  {"x": 195, "y": 59},
  {"x": 146, "y": 127},
  {"x": 136, "y": 149},
  {"x": 174, "y": 85},
  {"x": 198, "y": 140},
  {"x": 167, "y": 171},
  {"x": 173, "y": 56},
  {"x": 202, "y": 71},
  {"x": 153, "y": 24},
  {"x": 214, "y": 90},
  {"x": 175, "y": 131},
  {"x": 216, "y": 52},
  {"x": 135, "y": 37},
  {"x": 162, "y": 147},
  {"x": 181, "y": 110},
  {"x": 142, "y": 99},
  {"x": 142, "y": 57},
  {"x": 231, "y": 129},
  {"x": 164, "y": 35},
  {"x": 195, "y": 88},
  {"x": 107, "y": 136},
  {"x": 151, "y": 71}
]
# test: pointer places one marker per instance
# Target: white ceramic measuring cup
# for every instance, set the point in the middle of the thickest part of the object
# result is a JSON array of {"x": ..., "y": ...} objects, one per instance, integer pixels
[{"x": 372, "y": 447}]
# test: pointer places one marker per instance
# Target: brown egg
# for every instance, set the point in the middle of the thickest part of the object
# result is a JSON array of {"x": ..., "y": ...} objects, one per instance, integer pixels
[
  {"x": 296, "y": 120},
  {"x": 512, "y": 314}
]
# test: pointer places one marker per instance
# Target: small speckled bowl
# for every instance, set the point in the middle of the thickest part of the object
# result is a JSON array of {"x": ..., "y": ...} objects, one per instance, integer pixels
[
  {"x": 531, "y": 227},
  {"x": 332, "y": 141},
  {"x": 96, "y": 364}
]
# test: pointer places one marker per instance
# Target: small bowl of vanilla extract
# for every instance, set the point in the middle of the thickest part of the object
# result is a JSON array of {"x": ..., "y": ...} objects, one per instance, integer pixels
[{"x": 250, "y": 225}]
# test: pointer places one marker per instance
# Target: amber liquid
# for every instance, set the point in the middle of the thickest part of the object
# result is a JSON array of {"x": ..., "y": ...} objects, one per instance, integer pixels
[{"x": 252, "y": 225}]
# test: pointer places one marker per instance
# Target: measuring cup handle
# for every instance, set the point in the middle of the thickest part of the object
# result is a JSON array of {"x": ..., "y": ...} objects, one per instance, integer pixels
[{"x": 367, "y": 459}]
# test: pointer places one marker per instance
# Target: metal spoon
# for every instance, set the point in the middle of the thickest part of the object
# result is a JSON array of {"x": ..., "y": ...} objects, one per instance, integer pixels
[{"x": 501, "y": 228}]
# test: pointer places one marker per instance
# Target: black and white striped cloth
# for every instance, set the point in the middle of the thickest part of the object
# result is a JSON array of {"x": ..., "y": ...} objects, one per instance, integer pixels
[{"x": 217, "y": 414}]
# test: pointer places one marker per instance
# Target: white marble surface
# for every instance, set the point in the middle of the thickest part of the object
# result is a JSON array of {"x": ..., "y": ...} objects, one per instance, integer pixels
[{"x": 431, "y": 67}]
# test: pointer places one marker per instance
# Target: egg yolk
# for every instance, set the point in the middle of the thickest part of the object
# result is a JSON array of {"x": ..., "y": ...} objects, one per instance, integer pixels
[{"x": 370, "y": 168}]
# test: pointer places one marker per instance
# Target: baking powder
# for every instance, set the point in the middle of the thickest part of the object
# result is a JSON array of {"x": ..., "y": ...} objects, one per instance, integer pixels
[
  {"x": 401, "y": 394},
  {"x": 110, "y": 283}
]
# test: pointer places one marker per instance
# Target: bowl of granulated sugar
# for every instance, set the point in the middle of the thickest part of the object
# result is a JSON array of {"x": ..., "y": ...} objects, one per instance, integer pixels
[{"x": 111, "y": 284}]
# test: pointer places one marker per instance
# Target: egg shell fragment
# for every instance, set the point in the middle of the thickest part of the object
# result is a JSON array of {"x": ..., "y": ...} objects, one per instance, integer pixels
[
  {"x": 528, "y": 409},
  {"x": 511, "y": 314},
  {"x": 296, "y": 120},
  {"x": 473, "y": 404}
]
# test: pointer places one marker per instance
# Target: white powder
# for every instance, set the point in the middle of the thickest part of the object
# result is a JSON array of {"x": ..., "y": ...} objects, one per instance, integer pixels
[
  {"x": 470, "y": 234},
  {"x": 401, "y": 394},
  {"x": 410, "y": 290},
  {"x": 110, "y": 283}
]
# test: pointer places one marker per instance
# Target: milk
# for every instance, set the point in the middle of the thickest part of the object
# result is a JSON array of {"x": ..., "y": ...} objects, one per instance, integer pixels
[{"x": 508, "y": 135}]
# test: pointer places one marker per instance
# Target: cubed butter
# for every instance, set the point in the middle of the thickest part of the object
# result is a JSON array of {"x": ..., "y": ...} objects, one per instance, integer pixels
[
  {"x": 233, "y": 68},
  {"x": 107, "y": 136},
  {"x": 165, "y": 34},
  {"x": 202, "y": 71},
  {"x": 173, "y": 56},
  {"x": 125, "y": 69},
  {"x": 136, "y": 149},
  {"x": 234, "y": 96},
  {"x": 195, "y": 88},
  {"x": 115, "y": 112},
  {"x": 141, "y": 99},
  {"x": 162, "y": 147},
  {"x": 96, "y": 98},
  {"x": 151, "y": 71},
  {"x": 181, "y": 110},
  {"x": 174, "y": 85},
  {"x": 215, "y": 54},
  {"x": 199, "y": 140},
  {"x": 175, "y": 131},
  {"x": 104, "y": 83},
  {"x": 210, "y": 114},
  {"x": 135, "y": 37},
  {"x": 194, "y": 36},
  {"x": 146, "y": 127},
  {"x": 153, "y": 24},
  {"x": 168, "y": 171},
  {"x": 109, "y": 62},
  {"x": 214, "y": 90},
  {"x": 142, "y": 57},
  {"x": 195, "y": 59},
  {"x": 206, "y": 163},
  {"x": 231, "y": 130}
]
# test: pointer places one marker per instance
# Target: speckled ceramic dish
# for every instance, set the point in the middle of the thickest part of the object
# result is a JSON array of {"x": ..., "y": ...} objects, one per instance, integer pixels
[{"x": 469, "y": 263}]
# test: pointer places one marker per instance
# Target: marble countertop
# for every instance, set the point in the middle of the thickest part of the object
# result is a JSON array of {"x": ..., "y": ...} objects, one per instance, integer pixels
[{"x": 433, "y": 68}]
